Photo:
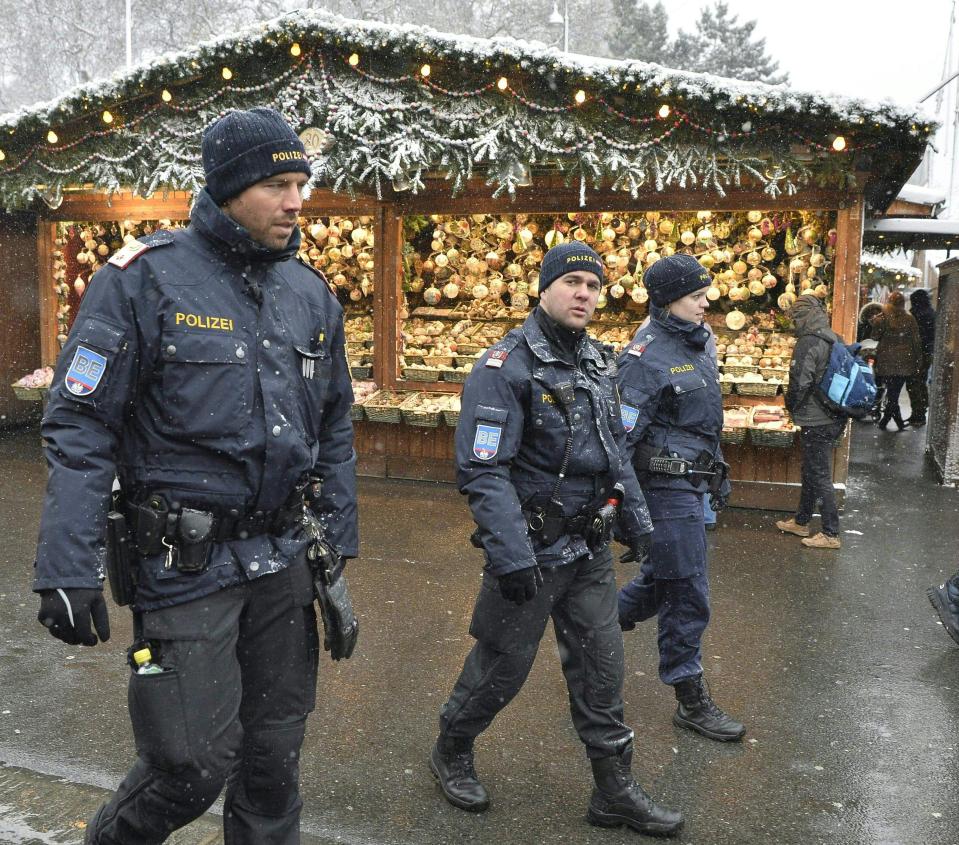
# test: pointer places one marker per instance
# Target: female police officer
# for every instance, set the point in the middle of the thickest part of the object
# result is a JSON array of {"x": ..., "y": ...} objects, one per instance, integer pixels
[
  {"x": 538, "y": 453},
  {"x": 673, "y": 414}
]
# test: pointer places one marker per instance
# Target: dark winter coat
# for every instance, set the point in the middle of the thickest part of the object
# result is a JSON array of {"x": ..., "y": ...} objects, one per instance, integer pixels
[
  {"x": 511, "y": 439},
  {"x": 672, "y": 402},
  {"x": 814, "y": 340},
  {"x": 211, "y": 371},
  {"x": 925, "y": 317},
  {"x": 900, "y": 347}
]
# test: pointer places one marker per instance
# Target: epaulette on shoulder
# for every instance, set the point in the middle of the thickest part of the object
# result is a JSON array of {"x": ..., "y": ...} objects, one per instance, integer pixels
[
  {"x": 640, "y": 342},
  {"x": 499, "y": 351},
  {"x": 132, "y": 250},
  {"x": 312, "y": 269}
]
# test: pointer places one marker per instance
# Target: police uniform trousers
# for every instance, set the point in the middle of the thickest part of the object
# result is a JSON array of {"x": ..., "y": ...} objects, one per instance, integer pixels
[
  {"x": 673, "y": 584},
  {"x": 581, "y": 599},
  {"x": 230, "y": 708}
]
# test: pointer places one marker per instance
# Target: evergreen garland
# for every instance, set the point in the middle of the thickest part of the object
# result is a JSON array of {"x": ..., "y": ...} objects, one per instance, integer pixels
[{"x": 389, "y": 126}]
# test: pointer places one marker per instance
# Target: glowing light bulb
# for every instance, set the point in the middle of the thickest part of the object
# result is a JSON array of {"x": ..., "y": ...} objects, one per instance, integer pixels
[
  {"x": 3, "y": 155},
  {"x": 663, "y": 111},
  {"x": 425, "y": 70},
  {"x": 839, "y": 144},
  {"x": 227, "y": 73},
  {"x": 295, "y": 49},
  {"x": 52, "y": 137},
  {"x": 166, "y": 96},
  {"x": 354, "y": 59},
  {"x": 503, "y": 83},
  {"x": 107, "y": 117},
  {"x": 580, "y": 97}
]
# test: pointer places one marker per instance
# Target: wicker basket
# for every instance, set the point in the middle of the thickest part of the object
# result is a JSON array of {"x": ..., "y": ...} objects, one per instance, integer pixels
[
  {"x": 451, "y": 418},
  {"x": 756, "y": 388},
  {"x": 773, "y": 438},
  {"x": 356, "y": 411},
  {"x": 357, "y": 346},
  {"x": 412, "y": 416},
  {"x": 421, "y": 373},
  {"x": 733, "y": 436},
  {"x": 774, "y": 372},
  {"x": 738, "y": 370},
  {"x": 469, "y": 348},
  {"x": 361, "y": 371},
  {"x": 726, "y": 387},
  {"x": 379, "y": 411},
  {"x": 457, "y": 376},
  {"x": 438, "y": 360},
  {"x": 29, "y": 394}
]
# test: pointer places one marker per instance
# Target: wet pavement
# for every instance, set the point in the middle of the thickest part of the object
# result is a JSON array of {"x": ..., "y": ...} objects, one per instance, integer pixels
[{"x": 835, "y": 661}]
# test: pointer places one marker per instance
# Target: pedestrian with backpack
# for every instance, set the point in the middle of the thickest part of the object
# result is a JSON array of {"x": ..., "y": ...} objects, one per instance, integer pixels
[{"x": 821, "y": 425}]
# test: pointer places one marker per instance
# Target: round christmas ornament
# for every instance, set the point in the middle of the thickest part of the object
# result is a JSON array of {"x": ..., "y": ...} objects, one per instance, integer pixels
[{"x": 735, "y": 320}]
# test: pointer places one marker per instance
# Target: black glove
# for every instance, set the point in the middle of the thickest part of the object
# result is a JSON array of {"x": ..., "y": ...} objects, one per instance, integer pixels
[
  {"x": 67, "y": 613},
  {"x": 520, "y": 585},
  {"x": 638, "y": 550},
  {"x": 718, "y": 501}
]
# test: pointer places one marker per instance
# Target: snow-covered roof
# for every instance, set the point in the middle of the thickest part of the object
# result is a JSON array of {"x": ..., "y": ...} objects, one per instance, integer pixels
[
  {"x": 922, "y": 195},
  {"x": 489, "y": 107},
  {"x": 911, "y": 233},
  {"x": 888, "y": 264}
]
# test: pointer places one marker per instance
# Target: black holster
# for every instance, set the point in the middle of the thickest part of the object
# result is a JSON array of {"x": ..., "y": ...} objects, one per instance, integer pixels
[
  {"x": 193, "y": 541},
  {"x": 340, "y": 625},
  {"x": 120, "y": 568},
  {"x": 547, "y": 522}
]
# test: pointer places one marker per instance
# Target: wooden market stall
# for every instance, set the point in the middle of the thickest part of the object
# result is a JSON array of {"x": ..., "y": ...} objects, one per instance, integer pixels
[{"x": 445, "y": 166}]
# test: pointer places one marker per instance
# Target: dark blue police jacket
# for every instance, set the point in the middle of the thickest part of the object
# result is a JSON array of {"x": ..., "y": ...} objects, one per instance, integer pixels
[
  {"x": 512, "y": 436},
  {"x": 177, "y": 380},
  {"x": 671, "y": 401}
]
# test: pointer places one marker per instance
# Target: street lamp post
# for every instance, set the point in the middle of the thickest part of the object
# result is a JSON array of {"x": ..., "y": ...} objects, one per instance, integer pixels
[
  {"x": 557, "y": 18},
  {"x": 129, "y": 33}
]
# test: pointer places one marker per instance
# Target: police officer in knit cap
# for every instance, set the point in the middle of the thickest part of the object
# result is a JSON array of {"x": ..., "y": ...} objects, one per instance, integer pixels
[
  {"x": 206, "y": 370},
  {"x": 673, "y": 415},
  {"x": 538, "y": 454}
]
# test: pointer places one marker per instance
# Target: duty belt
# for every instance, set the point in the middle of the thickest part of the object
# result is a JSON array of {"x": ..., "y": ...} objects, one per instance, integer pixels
[{"x": 155, "y": 525}]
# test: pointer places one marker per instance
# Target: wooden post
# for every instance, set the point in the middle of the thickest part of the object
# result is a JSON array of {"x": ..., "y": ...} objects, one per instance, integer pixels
[
  {"x": 49, "y": 347},
  {"x": 845, "y": 307}
]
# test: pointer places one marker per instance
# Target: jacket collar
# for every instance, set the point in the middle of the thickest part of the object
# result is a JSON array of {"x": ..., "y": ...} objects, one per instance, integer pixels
[
  {"x": 543, "y": 349},
  {"x": 230, "y": 238},
  {"x": 695, "y": 335}
]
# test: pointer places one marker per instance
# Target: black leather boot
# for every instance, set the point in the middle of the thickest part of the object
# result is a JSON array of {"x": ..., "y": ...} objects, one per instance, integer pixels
[
  {"x": 618, "y": 800},
  {"x": 698, "y": 712},
  {"x": 946, "y": 608},
  {"x": 884, "y": 419},
  {"x": 90, "y": 837},
  {"x": 451, "y": 762},
  {"x": 897, "y": 417}
]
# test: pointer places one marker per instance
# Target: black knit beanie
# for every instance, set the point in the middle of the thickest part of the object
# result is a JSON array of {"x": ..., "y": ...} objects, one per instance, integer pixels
[
  {"x": 673, "y": 277},
  {"x": 568, "y": 258},
  {"x": 244, "y": 147}
]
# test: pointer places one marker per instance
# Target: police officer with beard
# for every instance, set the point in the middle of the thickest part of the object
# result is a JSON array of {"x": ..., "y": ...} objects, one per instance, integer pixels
[
  {"x": 673, "y": 415},
  {"x": 538, "y": 455},
  {"x": 206, "y": 370}
]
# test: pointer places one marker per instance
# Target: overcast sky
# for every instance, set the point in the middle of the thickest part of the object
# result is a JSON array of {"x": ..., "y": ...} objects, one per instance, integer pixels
[{"x": 871, "y": 48}]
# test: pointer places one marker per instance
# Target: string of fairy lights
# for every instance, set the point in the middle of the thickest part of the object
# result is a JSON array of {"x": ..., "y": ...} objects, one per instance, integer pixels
[{"x": 148, "y": 122}]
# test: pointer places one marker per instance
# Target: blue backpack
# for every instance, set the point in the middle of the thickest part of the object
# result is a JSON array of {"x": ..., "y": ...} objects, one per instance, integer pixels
[{"x": 848, "y": 385}]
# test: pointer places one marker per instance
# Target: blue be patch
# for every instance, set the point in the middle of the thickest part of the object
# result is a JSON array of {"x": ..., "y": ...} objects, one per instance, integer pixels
[
  {"x": 629, "y": 415},
  {"x": 85, "y": 372},
  {"x": 486, "y": 441}
]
